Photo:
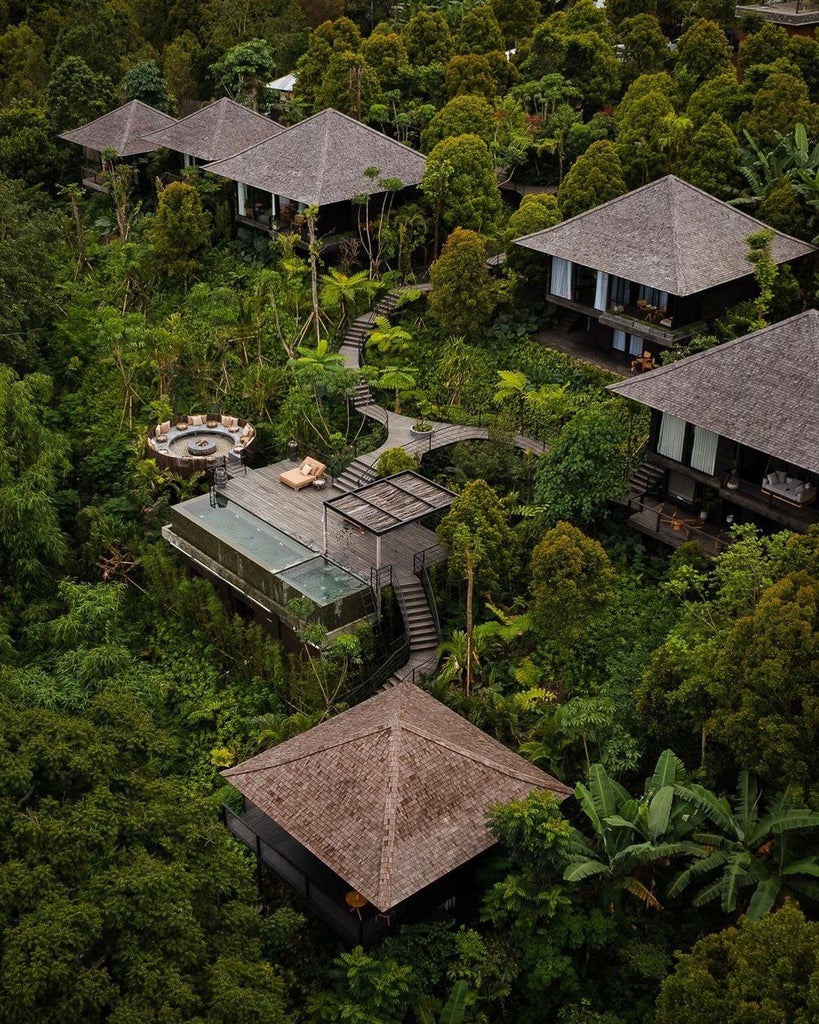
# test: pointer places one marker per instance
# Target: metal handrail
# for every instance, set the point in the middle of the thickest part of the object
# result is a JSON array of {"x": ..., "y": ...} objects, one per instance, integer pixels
[
  {"x": 426, "y": 583},
  {"x": 421, "y": 559},
  {"x": 717, "y": 539}
]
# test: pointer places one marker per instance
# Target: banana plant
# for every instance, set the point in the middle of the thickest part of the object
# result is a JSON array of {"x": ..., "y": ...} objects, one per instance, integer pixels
[
  {"x": 746, "y": 849},
  {"x": 453, "y": 1010},
  {"x": 633, "y": 836}
]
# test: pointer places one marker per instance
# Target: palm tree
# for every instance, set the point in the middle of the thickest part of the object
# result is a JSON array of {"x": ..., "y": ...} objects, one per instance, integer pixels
[
  {"x": 389, "y": 339},
  {"x": 674, "y": 135},
  {"x": 318, "y": 364},
  {"x": 512, "y": 388},
  {"x": 398, "y": 379},
  {"x": 454, "y": 652},
  {"x": 747, "y": 849},
  {"x": 343, "y": 291}
]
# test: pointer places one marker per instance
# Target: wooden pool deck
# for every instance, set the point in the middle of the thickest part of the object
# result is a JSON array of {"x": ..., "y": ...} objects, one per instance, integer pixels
[{"x": 300, "y": 514}]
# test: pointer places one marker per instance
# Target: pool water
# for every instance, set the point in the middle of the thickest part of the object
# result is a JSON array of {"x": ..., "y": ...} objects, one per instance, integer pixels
[
  {"x": 322, "y": 581},
  {"x": 245, "y": 533},
  {"x": 295, "y": 564}
]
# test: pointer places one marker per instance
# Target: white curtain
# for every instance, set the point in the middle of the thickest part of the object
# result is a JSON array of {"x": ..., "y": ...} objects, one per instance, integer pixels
[
  {"x": 242, "y": 192},
  {"x": 618, "y": 340},
  {"x": 635, "y": 345},
  {"x": 672, "y": 437},
  {"x": 601, "y": 292},
  {"x": 561, "y": 284},
  {"x": 704, "y": 452}
]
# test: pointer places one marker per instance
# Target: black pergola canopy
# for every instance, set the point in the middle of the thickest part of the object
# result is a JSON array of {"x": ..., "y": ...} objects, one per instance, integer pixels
[{"x": 392, "y": 502}]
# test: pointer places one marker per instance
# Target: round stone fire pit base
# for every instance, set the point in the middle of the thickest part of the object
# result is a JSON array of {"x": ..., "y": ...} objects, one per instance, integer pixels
[{"x": 201, "y": 446}]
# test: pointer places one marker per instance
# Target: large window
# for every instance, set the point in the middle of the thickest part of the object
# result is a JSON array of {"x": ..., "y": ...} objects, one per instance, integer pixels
[
  {"x": 672, "y": 437},
  {"x": 704, "y": 451},
  {"x": 620, "y": 291},
  {"x": 622, "y": 342},
  {"x": 561, "y": 284}
]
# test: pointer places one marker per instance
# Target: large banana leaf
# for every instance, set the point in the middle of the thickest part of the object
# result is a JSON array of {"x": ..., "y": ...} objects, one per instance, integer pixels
[
  {"x": 659, "y": 812},
  {"x": 649, "y": 853},
  {"x": 794, "y": 818},
  {"x": 636, "y": 888},
  {"x": 607, "y": 794},
  {"x": 763, "y": 898},
  {"x": 747, "y": 812},
  {"x": 715, "y": 808},
  {"x": 455, "y": 1007},
  {"x": 807, "y": 866},
  {"x": 579, "y": 870},
  {"x": 668, "y": 771},
  {"x": 714, "y": 860}
]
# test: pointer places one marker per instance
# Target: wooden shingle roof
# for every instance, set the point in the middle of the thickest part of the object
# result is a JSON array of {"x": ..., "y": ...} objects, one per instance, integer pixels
[
  {"x": 392, "y": 794},
  {"x": 667, "y": 235},
  {"x": 322, "y": 160},
  {"x": 761, "y": 390},
  {"x": 122, "y": 130},
  {"x": 216, "y": 131}
]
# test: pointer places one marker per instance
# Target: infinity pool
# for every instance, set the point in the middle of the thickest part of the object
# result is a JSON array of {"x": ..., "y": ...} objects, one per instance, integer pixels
[
  {"x": 267, "y": 558},
  {"x": 247, "y": 534},
  {"x": 322, "y": 581}
]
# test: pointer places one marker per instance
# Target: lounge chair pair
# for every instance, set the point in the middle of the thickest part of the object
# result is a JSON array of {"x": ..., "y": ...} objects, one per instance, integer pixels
[{"x": 304, "y": 475}]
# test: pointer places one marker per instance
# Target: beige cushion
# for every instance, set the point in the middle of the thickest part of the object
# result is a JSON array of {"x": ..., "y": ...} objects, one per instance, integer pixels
[
  {"x": 196, "y": 421},
  {"x": 306, "y": 469}
]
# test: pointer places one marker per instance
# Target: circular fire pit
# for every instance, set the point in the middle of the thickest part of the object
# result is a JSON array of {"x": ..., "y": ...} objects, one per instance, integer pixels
[
  {"x": 201, "y": 446},
  {"x": 199, "y": 441}
]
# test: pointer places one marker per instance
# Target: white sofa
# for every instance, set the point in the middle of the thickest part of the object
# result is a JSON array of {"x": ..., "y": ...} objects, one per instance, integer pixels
[{"x": 788, "y": 488}]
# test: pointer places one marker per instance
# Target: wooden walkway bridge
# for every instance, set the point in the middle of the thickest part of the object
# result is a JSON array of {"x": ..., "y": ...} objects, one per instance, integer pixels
[{"x": 420, "y": 615}]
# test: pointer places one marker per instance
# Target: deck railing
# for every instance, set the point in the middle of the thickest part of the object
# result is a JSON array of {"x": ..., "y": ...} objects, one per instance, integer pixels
[
  {"x": 420, "y": 561},
  {"x": 710, "y": 540},
  {"x": 326, "y": 907}
]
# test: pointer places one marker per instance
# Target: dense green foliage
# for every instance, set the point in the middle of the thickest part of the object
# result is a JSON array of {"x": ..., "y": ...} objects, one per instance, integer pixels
[{"x": 126, "y": 682}]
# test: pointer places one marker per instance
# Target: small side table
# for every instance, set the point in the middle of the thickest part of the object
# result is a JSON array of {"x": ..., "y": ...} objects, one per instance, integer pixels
[
  {"x": 355, "y": 901},
  {"x": 319, "y": 484}
]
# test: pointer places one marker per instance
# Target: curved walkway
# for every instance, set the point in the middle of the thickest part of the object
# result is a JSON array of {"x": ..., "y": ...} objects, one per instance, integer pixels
[
  {"x": 398, "y": 427},
  {"x": 415, "y": 608}
]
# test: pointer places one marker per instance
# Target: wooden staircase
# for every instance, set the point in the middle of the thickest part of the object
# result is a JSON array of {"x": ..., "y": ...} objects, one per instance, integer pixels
[
  {"x": 355, "y": 475},
  {"x": 646, "y": 479},
  {"x": 421, "y": 629}
]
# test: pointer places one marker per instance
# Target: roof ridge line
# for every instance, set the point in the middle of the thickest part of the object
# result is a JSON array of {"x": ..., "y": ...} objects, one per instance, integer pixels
[
  {"x": 325, "y": 148},
  {"x": 390, "y": 817},
  {"x": 675, "y": 249},
  {"x": 594, "y": 209},
  {"x": 374, "y": 131},
  {"x": 365, "y": 731},
  {"x": 742, "y": 213},
  {"x": 471, "y": 755}
]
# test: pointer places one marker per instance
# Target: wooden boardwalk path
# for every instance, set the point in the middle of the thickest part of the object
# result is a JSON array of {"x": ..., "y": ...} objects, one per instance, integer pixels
[{"x": 398, "y": 427}]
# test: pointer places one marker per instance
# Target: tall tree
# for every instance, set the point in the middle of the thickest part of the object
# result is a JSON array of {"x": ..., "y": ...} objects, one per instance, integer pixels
[
  {"x": 765, "y": 970},
  {"x": 470, "y": 198},
  {"x": 476, "y": 530},
  {"x": 178, "y": 231},
  {"x": 462, "y": 297},
  {"x": 244, "y": 69}
]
